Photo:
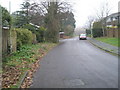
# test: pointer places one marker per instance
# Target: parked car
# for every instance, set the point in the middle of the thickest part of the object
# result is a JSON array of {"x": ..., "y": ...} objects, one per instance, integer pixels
[{"x": 82, "y": 37}]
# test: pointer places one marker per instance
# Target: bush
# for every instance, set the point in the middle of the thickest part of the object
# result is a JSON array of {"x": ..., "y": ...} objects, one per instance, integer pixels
[
  {"x": 88, "y": 31},
  {"x": 19, "y": 44},
  {"x": 97, "y": 32},
  {"x": 24, "y": 36},
  {"x": 38, "y": 31},
  {"x": 34, "y": 39},
  {"x": 40, "y": 34},
  {"x": 97, "y": 29},
  {"x": 30, "y": 27}
]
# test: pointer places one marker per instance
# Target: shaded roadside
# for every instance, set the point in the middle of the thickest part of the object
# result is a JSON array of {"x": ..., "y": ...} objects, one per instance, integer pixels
[{"x": 19, "y": 66}]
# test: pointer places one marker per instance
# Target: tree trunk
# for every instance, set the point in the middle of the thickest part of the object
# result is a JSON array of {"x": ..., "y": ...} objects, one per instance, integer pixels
[{"x": 52, "y": 33}]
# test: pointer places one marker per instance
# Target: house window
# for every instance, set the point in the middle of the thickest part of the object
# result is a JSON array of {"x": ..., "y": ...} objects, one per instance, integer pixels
[
  {"x": 108, "y": 20},
  {"x": 114, "y": 18},
  {"x": 111, "y": 18}
]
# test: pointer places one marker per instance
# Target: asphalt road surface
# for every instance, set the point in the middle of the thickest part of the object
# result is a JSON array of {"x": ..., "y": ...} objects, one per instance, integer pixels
[{"x": 77, "y": 64}]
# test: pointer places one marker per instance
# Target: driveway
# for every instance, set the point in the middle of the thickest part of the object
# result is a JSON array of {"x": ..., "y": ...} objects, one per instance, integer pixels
[{"x": 77, "y": 63}]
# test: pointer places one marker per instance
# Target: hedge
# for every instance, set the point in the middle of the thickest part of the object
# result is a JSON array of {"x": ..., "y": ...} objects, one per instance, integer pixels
[{"x": 97, "y": 32}]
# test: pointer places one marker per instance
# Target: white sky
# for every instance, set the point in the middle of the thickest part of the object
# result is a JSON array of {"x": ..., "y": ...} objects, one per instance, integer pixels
[{"x": 82, "y": 8}]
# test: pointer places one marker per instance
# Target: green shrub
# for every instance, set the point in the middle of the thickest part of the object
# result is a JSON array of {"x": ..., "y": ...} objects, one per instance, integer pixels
[
  {"x": 97, "y": 32},
  {"x": 30, "y": 27},
  {"x": 88, "y": 31},
  {"x": 34, "y": 39},
  {"x": 38, "y": 31},
  {"x": 40, "y": 34},
  {"x": 97, "y": 29},
  {"x": 19, "y": 44},
  {"x": 24, "y": 36}
]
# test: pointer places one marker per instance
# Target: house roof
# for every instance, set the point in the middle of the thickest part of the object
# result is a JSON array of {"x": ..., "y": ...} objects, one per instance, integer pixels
[
  {"x": 114, "y": 14},
  {"x": 6, "y": 28},
  {"x": 34, "y": 25},
  {"x": 61, "y": 32}
]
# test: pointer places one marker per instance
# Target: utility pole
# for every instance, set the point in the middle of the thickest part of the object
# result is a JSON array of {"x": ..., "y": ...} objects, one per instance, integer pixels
[
  {"x": 91, "y": 29},
  {"x": 0, "y": 44},
  {"x": 9, "y": 41},
  {"x": 119, "y": 15},
  {"x": 10, "y": 7}
]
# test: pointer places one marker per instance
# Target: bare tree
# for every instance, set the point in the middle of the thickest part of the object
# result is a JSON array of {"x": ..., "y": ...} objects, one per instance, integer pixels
[
  {"x": 47, "y": 12},
  {"x": 103, "y": 12},
  {"x": 89, "y": 23},
  {"x": 51, "y": 9}
]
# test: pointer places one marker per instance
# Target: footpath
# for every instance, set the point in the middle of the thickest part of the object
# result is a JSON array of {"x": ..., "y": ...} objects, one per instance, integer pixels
[{"x": 105, "y": 46}]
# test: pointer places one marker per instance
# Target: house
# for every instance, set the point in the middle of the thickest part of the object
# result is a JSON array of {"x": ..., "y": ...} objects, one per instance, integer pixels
[{"x": 112, "y": 25}]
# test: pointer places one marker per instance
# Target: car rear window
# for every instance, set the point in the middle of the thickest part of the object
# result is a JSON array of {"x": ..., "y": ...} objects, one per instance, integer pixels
[{"x": 83, "y": 35}]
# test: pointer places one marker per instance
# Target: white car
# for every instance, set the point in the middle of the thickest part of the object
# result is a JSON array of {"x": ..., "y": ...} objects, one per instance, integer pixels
[{"x": 82, "y": 37}]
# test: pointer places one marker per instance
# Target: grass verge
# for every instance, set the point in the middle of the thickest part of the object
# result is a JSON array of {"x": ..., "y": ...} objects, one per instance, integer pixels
[
  {"x": 111, "y": 41},
  {"x": 16, "y": 64}
]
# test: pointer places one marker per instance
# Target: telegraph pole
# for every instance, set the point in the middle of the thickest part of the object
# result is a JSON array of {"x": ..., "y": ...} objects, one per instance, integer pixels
[
  {"x": 10, "y": 7},
  {"x": 91, "y": 29},
  {"x": 9, "y": 41}
]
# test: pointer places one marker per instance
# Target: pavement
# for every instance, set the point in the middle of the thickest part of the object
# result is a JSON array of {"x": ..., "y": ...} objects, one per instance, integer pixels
[
  {"x": 77, "y": 63},
  {"x": 105, "y": 46}
]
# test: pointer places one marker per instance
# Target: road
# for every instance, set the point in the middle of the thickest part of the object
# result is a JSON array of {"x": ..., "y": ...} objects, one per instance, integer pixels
[{"x": 77, "y": 64}]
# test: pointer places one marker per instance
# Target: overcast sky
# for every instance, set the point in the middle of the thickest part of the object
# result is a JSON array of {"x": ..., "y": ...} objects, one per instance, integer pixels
[{"x": 81, "y": 8}]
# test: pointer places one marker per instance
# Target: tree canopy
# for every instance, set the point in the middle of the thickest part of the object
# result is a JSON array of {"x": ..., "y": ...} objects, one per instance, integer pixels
[
  {"x": 6, "y": 18},
  {"x": 54, "y": 16}
]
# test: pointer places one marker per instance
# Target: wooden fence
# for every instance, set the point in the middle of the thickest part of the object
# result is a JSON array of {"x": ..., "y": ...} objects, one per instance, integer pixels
[
  {"x": 8, "y": 40},
  {"x": 113, "y": 33}
]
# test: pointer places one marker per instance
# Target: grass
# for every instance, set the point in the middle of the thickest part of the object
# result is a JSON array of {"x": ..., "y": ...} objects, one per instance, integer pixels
[
  {"x": 20, "y": 62},
  {"x": 89, "y": 35},
  {"x": 111, "y": 41}
]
